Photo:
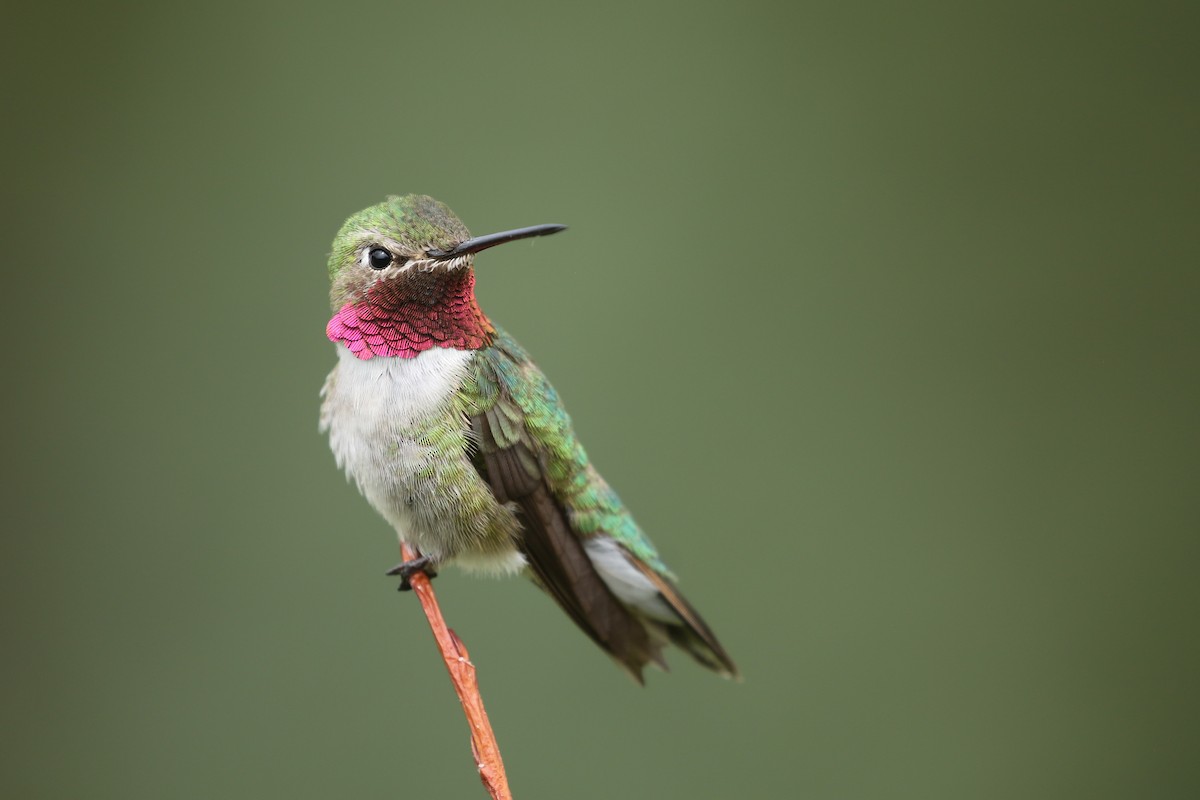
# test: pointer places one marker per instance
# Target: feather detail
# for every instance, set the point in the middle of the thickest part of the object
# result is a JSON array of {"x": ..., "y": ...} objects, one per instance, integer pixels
[
  {"x": 693, "y": 635},
  {"x": 563, "y": 570},
  {"x": 557, "y": 559},
  {"x": 574, "y": 532}
]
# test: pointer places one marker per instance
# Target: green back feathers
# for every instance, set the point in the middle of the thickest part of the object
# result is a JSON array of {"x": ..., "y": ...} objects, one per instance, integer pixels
[{"x": 526, "y": 409}]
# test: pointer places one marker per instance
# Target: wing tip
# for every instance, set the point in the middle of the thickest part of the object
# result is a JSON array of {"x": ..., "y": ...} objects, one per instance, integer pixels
[{"x": 689, "y": 632}]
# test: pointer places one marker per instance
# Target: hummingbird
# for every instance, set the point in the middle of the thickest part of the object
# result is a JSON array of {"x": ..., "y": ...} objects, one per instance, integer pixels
[{"x": 457, "y": 439}]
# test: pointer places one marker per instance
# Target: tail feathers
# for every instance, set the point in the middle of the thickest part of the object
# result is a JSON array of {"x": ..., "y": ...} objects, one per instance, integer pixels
[
  {"x": 561, "y": 567},
  {"x": 690, "y": 633},
  {"x": 655, "y": 600},
  {"x": 626, "y": 607}
]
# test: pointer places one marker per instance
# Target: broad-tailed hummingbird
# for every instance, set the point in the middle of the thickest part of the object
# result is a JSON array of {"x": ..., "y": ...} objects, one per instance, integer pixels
[{"x": 454, "y": 435}]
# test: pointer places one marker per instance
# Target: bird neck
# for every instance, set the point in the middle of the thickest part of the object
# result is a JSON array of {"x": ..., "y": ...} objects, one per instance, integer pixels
[{"x": 406, "y": 315}]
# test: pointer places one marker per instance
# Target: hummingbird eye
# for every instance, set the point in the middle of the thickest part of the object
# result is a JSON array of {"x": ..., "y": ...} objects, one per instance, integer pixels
[{"x": 379, "y": 258}]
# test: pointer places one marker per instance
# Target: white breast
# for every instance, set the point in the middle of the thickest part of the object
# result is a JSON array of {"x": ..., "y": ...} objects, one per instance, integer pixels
[
  {"x": 370, "y": 405},
  {"x": 375, "y": 411}
]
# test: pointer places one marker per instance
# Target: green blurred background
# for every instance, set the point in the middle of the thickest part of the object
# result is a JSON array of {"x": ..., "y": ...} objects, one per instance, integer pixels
[{"x": 881, "y": 318}]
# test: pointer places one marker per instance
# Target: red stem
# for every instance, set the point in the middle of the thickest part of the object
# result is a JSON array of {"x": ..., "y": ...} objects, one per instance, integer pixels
[{"x": 462, "y": 675}]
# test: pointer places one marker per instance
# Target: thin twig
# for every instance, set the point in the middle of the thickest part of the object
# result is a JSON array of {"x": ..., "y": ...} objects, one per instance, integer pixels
[{"x": 462, "y": 675}]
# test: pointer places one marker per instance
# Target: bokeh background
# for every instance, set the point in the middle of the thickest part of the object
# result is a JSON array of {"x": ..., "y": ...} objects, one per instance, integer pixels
[{"x": 881, "y": 317}]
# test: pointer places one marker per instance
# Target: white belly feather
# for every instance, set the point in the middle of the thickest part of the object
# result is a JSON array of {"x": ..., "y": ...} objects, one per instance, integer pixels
[
  {"x": 370, "y": 405},
  {"x": 380, "y": 396}
]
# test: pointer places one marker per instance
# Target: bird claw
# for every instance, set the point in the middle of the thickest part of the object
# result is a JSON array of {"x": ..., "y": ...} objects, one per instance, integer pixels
[{"x": 407, "y": 569}]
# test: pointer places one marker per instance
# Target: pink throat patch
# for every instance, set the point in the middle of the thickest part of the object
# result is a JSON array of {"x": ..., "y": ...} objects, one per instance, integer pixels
[{"x": 407, "y": 315}]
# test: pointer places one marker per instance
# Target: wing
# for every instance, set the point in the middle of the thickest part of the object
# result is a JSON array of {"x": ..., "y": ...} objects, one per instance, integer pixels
[
  {"x": 519, "y": 468},
  {"x": 526, "y": 451}
]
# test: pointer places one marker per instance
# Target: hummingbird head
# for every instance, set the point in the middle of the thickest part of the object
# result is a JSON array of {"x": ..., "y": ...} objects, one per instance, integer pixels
[
  {"x": 382, "y": 242},
  {"x": 401, "y": 279}
]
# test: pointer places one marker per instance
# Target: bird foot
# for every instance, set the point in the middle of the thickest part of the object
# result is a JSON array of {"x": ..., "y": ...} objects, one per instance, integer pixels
[{"x": 407, "y": 569}]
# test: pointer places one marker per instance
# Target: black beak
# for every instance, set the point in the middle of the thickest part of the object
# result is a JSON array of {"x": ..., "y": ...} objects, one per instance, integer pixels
[{"x": 493, "y": 239}]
